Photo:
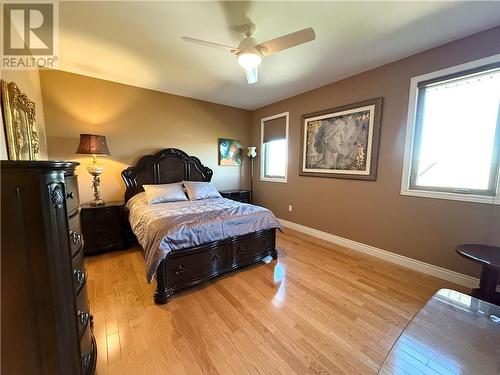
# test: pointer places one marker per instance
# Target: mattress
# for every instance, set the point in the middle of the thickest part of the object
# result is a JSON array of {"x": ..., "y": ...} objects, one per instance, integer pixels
[{"x": 165, "y": 227}]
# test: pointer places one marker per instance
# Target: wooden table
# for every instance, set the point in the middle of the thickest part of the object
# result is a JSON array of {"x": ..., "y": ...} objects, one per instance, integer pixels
[
  {"x": 489, "y": 258},
  {"x": 453, "y": 334}
]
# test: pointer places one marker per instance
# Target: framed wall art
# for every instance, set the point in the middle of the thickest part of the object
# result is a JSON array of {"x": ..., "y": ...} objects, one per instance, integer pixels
[
  {"x": 229, "y": 152},
  {"x": 19, "y": 123},
  {"x": 342, "y": 142}
]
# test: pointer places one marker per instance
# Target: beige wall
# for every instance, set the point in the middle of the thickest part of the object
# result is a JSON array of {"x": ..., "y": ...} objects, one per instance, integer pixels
[
  {"x": 28, "y": 82},
  {"x": 136, "y": 122},
  {"x": 375, "y": 213}
]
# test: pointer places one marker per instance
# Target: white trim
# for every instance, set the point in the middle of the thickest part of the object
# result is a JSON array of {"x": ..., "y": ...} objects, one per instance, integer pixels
[
  {"x": 274, "y": 179},
  {"x": 410, "y": 132},
  {"x": 262, "y": 156},
  {"x": 452, "y": 196},
  {"x": 416, "y": 265}
]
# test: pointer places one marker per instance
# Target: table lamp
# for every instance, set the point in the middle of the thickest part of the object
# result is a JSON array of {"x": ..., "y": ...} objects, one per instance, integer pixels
[
  {"x": 252, "y": 154},
  {"x": 92, "y": 144}
]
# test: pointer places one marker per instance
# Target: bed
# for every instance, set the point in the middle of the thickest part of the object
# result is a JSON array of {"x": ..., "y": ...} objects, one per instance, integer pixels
[{"x": 194, "y": 265}]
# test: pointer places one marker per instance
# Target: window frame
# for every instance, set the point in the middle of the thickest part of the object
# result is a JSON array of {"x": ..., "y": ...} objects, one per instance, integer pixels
[
  {"x": 263, "y": 177},
  {"x": 408, "y": 188}
]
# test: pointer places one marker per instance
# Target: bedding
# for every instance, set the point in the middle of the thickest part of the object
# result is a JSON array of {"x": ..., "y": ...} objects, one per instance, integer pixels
[
  {"x": 164, "y": 193},
  {"x": 165, "y": 227}
]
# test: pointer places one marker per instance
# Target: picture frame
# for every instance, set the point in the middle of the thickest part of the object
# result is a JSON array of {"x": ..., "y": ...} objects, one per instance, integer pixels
[
  {"x": 229, "y": 152},
  {"x": 3, "y": 143},
  {"x": 19, "y": 123},
  {"x": 342, "y": 142}
]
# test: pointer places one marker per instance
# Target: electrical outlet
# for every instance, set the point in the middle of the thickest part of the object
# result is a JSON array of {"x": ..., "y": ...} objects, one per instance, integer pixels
[{"x": 290, "y": 208}]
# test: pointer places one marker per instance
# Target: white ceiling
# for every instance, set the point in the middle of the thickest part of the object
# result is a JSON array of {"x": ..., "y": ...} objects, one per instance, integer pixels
[{"x": 139, "y": 43}]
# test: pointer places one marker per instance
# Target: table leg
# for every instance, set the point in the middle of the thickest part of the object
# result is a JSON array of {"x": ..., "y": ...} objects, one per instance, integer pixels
[{"x": 487, "y": 285}]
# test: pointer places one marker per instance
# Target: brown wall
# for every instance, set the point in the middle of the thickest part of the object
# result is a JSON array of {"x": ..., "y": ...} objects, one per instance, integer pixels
[
  {"x": 375, "y": 213},
  {"x": 136, "y": 122}
]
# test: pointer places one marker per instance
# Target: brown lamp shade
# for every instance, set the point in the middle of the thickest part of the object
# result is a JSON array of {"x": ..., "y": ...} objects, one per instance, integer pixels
[{"x": 92, "y": 144}]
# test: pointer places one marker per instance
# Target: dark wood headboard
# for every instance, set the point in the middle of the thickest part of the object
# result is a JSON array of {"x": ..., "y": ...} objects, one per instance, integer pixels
[{"x": 164, "y": 167}]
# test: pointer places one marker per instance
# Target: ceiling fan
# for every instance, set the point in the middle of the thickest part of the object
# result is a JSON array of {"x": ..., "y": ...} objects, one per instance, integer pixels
[{"x": 249, "y": 53}]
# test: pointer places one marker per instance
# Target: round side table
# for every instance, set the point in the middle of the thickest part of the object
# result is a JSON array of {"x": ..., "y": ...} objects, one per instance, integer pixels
[{"x": 489, "y": 258}]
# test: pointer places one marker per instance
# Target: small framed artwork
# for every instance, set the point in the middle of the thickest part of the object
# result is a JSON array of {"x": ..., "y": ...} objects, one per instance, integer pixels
[
  {"x": 229, "y": 152},
  {"x": 342, "y": 142}
]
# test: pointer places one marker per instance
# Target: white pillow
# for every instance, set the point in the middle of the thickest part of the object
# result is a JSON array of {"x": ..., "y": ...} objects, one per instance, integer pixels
[
  {"x": 200, "y": 190},
  {"x": 164, "y": 193}
]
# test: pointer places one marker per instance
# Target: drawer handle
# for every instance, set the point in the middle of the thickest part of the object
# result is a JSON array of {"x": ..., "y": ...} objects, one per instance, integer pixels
[
  {"x": 86, "y": 359},
  {"x": 83, "y": 317},
  {"x": 79, "y": 276},
  {"x": 179, "y": 270},
  {"x": 70, "y": 195},
  {"x": 267, "y": 243},
  {"x": 241, "y": 250},
  {"x": 75, "y": 237},
  {"x": 216, "y": 258}
]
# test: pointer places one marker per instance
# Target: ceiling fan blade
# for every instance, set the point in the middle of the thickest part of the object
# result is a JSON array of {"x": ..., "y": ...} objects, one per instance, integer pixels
[
  {"x": 287, "y": 41},
  {"x": 210, "y": 44},
  {"x": 252, "y": 75}
]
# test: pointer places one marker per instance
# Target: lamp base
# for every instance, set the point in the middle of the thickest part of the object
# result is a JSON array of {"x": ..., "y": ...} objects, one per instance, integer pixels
[
  {"x": 95, "y": 170},
  {"x": 97, "y": 202}
]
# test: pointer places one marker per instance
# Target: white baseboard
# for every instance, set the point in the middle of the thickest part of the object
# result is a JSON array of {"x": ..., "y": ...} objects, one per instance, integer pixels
[{"x": 442, "y": 273}]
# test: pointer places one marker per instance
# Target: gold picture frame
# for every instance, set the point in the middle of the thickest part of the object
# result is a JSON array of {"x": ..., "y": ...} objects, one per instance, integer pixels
[{"x": 19, "y": 123}]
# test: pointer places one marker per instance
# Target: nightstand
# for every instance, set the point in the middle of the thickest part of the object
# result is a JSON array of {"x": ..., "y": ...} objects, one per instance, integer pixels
[
  {"x": 242, "y": 196},
  {"x": 103, "y": 227}
]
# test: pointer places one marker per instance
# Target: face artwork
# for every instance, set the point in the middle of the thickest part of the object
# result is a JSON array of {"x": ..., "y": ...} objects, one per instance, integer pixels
[
  {"x": 342, "y": 142},
  {"x": 229, "y": 152},
  {"x": 338, "y": 144}
]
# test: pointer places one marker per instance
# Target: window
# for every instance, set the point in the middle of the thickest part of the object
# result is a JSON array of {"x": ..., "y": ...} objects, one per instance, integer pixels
[
  {"x": 274, "y": 147},
  {"x": 453, "y": 135}
]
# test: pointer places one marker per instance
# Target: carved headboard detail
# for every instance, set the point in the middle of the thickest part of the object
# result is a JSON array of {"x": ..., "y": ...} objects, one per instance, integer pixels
[{"x": 164, "y": 167}]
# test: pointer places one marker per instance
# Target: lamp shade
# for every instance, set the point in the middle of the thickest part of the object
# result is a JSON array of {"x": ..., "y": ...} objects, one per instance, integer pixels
[
  {"x": 92, "y": 144},
  {"x": 251, "y": 152}
]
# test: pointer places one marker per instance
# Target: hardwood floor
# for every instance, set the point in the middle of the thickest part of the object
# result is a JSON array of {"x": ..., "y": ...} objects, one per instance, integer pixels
[{"x": 320, "y": 309}]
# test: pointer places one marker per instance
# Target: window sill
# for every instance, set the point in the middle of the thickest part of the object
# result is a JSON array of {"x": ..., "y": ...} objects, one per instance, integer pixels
[
  {"x": 270, "y": 179},
  {"x": 452, "y": 196}
]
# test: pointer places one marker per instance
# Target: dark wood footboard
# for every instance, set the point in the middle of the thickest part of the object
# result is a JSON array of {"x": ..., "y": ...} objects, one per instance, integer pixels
[{"x": 184, "y": 268}]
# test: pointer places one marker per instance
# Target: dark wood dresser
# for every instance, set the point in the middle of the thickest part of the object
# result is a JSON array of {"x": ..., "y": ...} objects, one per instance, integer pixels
[
  {"x": 104, "y": 227},
  {"x": 242, "y": 196},
  {"x": 45, "y": 317}
]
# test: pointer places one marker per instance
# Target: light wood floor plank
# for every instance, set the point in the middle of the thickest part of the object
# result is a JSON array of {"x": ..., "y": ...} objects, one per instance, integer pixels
[{"x": 321, "y": 309}]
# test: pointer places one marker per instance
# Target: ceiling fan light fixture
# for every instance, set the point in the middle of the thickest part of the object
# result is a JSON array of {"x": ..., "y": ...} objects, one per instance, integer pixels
[
  {"x": 249, "y": 54},
  {"x": 249, "y": 60},
  {"x": 252, "y": 75}
]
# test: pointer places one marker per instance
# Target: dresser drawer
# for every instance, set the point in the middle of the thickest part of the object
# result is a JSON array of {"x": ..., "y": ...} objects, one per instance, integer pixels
[
  {"x": 75, "y": 234},
  {"x": 103, "y": 227},
  {"x": 79, "y": 274},
  {"x": 245, "y": 250},
  {"x": 72, "y": 197},
  {"x": 82, "y": 310},
  {"x": 104, "y": 214},
  {"x": 108, "y": 232},
  {"x": 187, "y": 268},
  {"x": 87, "y": 351}
]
